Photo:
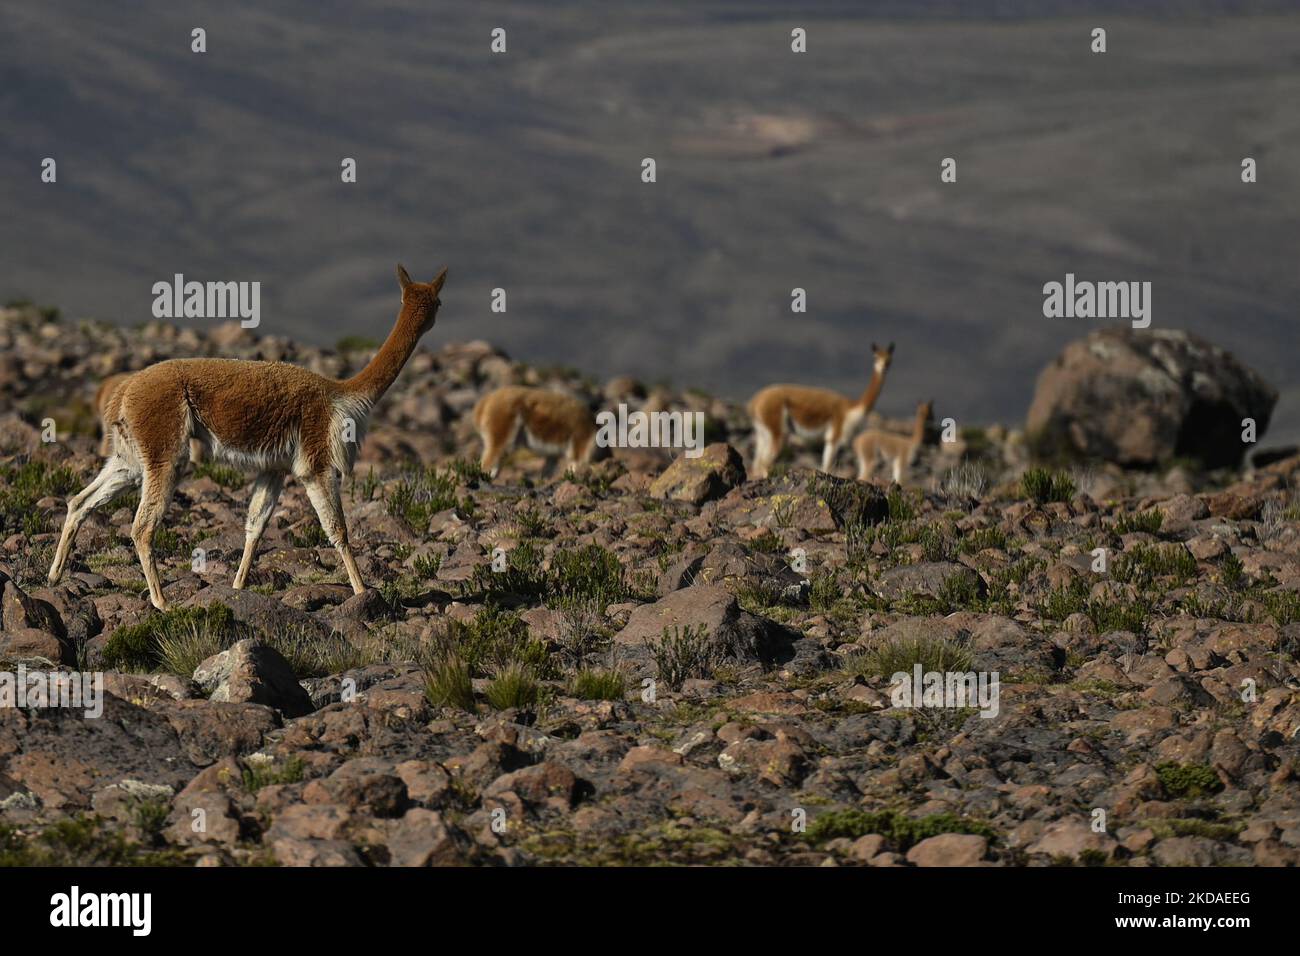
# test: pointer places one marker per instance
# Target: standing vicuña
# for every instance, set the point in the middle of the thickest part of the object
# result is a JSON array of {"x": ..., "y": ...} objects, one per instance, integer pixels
[
  {"x": 108, "y": 403},
  {"x": 553, "y": 424},
  {"x": 811, "y": 412},
  {"x": 899, "y": 450},
  {"x": 268, "y": 416}
]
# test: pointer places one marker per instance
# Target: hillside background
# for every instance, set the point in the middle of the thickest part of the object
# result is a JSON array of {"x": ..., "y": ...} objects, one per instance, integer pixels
[{"x": 775, "y": 171}]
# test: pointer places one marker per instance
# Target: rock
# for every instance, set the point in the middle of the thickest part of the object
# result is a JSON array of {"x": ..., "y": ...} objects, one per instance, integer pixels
[
  {"x": 262, "y": 614},
  {"x": 20, "y": 612},
  {"x": 204, "y": 817},
  {"x": 949, "y": 849},
  {"x": 697, "y": 480},
  {"x": 1142, "y": 397},
  {"x": 369, "y": 605},
  {"x": 1070, "y": 839},
  {"x": 929, "y": 578},
  {"x": 32, "y": 643},
  {"x": 422, "y": 838},
  {"x": 1178, "y": 513},
  {"x": 366, "y": 785},
  {"x": 731, "y": 631},
  {"x": 547, "y": 784},
  {"x": 254, "y": 673}
]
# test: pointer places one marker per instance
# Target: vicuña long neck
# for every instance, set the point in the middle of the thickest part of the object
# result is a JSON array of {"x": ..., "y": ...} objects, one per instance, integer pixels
[
  {"x": 918, "y": 428},
  {"x": 868, "y": 400},
  {"x": 382, "y": 370}
]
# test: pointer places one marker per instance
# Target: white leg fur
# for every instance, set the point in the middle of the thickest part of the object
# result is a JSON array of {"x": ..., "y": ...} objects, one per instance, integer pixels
[
  {"x": 324, "y": 495},
  {"x": 156, "y": 490},
  {"x": 266, "y": 492},
  {"x": 114, "y": 478}
]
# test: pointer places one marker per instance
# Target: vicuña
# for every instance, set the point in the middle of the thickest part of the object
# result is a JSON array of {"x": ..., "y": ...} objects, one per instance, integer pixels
[
  {"x": 553, "y": 424},
  {"x": 108, "y": 404},
  {"x": 270, "y": 417},
  {"x": 811, "y": 412},
  {"x": 899, "y": 450}
]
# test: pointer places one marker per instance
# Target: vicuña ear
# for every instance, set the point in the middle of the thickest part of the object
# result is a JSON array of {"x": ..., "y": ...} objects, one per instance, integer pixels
[
  {"x": 891, "y": 348},
  {"x": 439, "y": 279},
  {"x": 403, "y": 277},
  {"x": 873, "y": 347}
]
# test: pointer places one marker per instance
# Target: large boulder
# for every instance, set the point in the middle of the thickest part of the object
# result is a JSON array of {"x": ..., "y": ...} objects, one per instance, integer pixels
[
  {"x": 254, "y": 673},
  {"x": 733, "y": 632},
  {"x": 697, "y": 480},
  {"x": 1142, "y": 397}
]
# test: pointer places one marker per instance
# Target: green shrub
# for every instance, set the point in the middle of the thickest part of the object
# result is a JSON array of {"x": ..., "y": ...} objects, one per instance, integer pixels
[
  {"x": 1232, "y": 574},
  {"x": 901, "y": 654},
  {"x": 447, "y": 683},
  {"x": 599, "y": 685},
  {"x": 515, "y": 686},
  {"x": 1188, "y": 781},
  {"x": 982, "y": 539},
  {"x": 1146, "y": 521},
  {"x": 264, "y": 773},
  {"x": 684, "y": 654},
  {"x": 493, "y": 641},
  {"x": 222, "y": 474},
  {"x": 589, "y": 572},
  {"x": 902, "y": 832},
  {"x": 1143, "y": 565},
  {"x": 80, "y": 841},
  {"x": 427, "y": 566},
  {"x": 22, "y": 485},
  {"x": 1043, "y": 485},
  {"x": 179, "y": 633},
  {"x": 532, "y": 523},
  {"x": 421, "y": 493}
]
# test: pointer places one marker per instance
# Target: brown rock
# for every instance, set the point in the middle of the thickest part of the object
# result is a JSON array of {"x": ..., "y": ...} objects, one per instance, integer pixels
[
  {"x": 949, "y": 849},
  {"x": 697, "y": 480}
]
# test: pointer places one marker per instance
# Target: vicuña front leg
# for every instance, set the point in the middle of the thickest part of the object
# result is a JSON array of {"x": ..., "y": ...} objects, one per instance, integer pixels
[
  {"x": 828, "y": 453},
  {"x": 155, "y": 495},
  {"x": 324, "y": 494},
  {"x": 114, "y": 478},
  {"x": 266, "y": 492}
]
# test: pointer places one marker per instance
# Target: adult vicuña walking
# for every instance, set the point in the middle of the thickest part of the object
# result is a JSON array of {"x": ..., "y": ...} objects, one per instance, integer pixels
[
  {"x": 274, "y": 418},
  {"x": 552, "y": 423},
  {"x": 811, "y": 412}
]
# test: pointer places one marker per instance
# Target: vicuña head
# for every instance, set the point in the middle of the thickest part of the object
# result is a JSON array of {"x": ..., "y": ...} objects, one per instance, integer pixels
[
  {"x": 812, "y": 412},
  {"x": 273, "y": 418},
  {"x": 876, "y": 445},
  {"x": 552, "y": 423}
]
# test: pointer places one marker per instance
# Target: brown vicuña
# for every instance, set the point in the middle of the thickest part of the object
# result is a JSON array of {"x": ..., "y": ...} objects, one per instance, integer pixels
[
  {"x": 811, "y": 412},
  {"x": 273, "y": 418},
  {"x": 878, "y": 445},
  {"x": 108, "y": 405},
  {"x": 553, "y": 423}
]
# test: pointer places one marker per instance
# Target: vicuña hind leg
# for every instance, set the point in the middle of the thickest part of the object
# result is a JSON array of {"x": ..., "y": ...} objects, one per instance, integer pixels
[
  {"x": 155, "y": 495},
  {"x": 828, "y": 454},
  {"x": 114, "y": 478},
  {"x": 767, "y": 445},
  {"x": 491, "y": 456},
  {"x": 266, "y": 492},
  {"x": 324, "y": 494}
]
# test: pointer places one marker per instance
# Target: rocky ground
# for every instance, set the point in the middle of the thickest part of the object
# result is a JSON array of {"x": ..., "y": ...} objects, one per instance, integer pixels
[{"x": 668, "y": 664}]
